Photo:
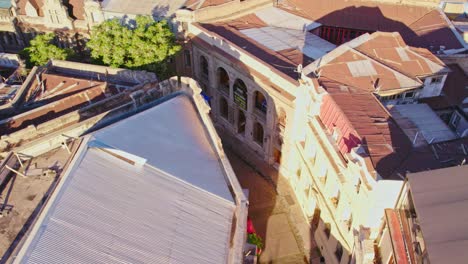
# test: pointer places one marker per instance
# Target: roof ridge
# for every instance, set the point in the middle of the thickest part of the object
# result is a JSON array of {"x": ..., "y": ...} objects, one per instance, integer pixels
[
  {"x": 426, "y": 59},
  {"x": 423, "y": 16}
]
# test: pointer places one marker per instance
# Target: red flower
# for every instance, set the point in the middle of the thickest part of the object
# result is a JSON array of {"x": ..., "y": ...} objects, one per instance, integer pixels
[{"x": 250, "y": 227}]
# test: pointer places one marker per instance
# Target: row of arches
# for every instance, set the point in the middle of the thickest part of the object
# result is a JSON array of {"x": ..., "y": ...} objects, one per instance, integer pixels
[
  {"x": 240, "y": 95},
  {"x": 258, "y": 131}
]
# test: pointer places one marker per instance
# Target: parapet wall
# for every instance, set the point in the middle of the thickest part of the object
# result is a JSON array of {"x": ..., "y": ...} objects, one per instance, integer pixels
[
  {"x": 102, "y": 73},
  {"x": 34, "y": 140}
]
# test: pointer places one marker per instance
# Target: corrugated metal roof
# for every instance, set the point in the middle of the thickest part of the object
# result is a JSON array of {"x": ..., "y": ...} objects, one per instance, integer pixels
[
  {"x": 441, "y": 202},
  {"x": 112, "y": 212},
  {"x": 171, "y": 137},
  {"x": 430, "y": 126},
  {"x": 276, "y": 17},
  {"x": 171, "y": 209},
  {"x": 278, "y": 39}
]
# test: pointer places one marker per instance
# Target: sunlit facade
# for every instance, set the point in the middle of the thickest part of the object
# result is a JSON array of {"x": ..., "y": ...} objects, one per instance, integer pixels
[{"x": 305, "y": 128}]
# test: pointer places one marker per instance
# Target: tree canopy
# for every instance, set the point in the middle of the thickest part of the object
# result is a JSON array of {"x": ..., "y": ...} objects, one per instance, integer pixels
[
  {"x": 42, "y": 49},
  {"x": 145, "y": 44}
]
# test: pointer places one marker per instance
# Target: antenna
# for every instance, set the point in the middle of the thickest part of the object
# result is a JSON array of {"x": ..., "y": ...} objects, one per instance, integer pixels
[{"x": 299, "y": 71}]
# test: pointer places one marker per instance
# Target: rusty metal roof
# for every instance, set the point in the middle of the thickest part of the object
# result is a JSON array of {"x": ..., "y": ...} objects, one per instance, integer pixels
[
  {"x": 419, "y": 26},
  {"x": 362, "y": 121}
]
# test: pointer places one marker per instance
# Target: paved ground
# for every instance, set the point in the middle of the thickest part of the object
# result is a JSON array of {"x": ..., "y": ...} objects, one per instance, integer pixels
[{"x": 273, "y": 209}]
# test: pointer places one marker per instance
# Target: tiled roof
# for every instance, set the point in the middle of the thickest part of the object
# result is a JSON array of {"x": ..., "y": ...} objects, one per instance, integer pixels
[{"x": 419, "y": 26}]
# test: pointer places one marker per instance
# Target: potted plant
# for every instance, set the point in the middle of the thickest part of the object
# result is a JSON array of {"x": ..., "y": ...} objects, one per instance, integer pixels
[{"x": 254, "y": 239}]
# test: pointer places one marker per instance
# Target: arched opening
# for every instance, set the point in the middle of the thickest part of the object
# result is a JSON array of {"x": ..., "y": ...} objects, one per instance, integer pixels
[
  {"x": 204, "y": 67},
  {"x": 260, "y": 102},
  {"x": 258, "y": 133},
  {"x": 241, "y": 122},
  {"x": 223, "y": 80},
  {"x": 223, "y": 108},
  {"x": 240, "y": 94}
]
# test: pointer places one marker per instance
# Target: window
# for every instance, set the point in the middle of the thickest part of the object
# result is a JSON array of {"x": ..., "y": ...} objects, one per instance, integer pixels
[
  {"x": 241, "y": 122},
  {"x": 307, "y": 192},
  {"x": 223, "y": 108},
  {"x": 187, "y": 58},
  {"x": 204, "y": 67},
  {"x": 327, "y": 230},
  {"x": 409, "y": 95},
  {"x": 336, "y": 133},
  {"x": 260, "y": 102},
  {"x": 54, "y": 16},
  {"x": 358, "y": 186},
  {"x": 258, "y": 133},
  {"x": 339, "y": 251},
  {"x": 240, "y": 94},
  {"x": 455, "y": 120},
  {"x": 349, "y": 222},
  {"x": 436, "y": 79},
  {"x": 298, "y": 173},
  {"x": 335, "y": 199},
  {"x": 223, "y": 80}
]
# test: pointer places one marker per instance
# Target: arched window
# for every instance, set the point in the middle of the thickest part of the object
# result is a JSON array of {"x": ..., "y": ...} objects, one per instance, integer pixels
[
  {"x": 258, "y": 133},
  {"x": 204, "y": 67},
  {"x": 240, "y": 94},
  {"x": 223, "y": 107},
  {"x": 223, "y": 80},
  {"x": 260, "y": 102}
]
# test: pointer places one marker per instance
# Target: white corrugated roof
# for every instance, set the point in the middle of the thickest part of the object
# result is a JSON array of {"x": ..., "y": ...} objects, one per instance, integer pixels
[
  {"x": 430, "y": 126},
  {"x": 171, "y": 138},
  {"x": 276, "y": 17},
  {"x": 159, "y": 8},
  {"x": 175, "y": 208},
  {"x": 277, "y": 39},
  {"x": 441, "y": 203}
]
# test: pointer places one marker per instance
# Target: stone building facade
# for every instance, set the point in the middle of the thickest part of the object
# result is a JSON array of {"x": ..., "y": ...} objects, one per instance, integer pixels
[{"x": 308, "y": 127}]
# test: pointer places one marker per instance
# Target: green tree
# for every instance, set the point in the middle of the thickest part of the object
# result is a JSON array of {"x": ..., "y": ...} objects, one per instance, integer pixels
[
  {"x": 145, "y": 44},
  {"x": 42, "y": 49}
]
